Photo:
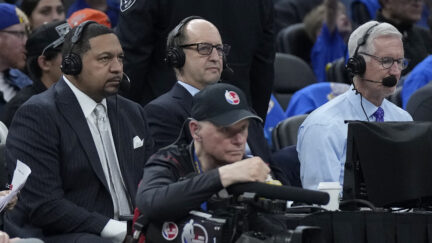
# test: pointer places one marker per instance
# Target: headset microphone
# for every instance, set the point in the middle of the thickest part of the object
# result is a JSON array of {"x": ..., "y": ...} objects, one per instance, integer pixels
[
  {"x": 125, "y": 83},
  {"x": 389, "y": 81}
]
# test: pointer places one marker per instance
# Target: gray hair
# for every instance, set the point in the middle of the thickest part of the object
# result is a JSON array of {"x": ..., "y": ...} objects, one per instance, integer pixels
[{"x": 381, "y": 29}]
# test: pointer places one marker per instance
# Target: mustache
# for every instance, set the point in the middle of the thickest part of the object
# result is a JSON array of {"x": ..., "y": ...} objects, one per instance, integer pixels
[{"x": 116, "y": 78}]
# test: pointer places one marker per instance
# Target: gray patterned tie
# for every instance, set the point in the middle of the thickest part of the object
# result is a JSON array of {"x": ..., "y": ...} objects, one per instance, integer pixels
[{"x": 113, "y": 169}]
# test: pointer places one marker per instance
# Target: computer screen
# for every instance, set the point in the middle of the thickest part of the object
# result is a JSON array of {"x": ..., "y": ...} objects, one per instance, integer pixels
[{"x": 389, "y": 163}]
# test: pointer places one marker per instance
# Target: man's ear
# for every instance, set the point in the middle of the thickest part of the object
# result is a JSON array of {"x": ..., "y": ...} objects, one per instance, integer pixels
[{"x": 194, "y": 128}]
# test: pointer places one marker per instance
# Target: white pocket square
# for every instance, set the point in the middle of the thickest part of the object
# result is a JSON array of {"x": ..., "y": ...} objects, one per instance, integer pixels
[{"x": 137, "y": 142}]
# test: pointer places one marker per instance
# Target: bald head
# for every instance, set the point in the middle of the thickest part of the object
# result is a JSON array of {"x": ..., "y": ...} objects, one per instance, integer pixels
[
  {"x": 191, "y": 26},
  {"x": 195, "y": 50},
  {"x": 201, "y": 28}
]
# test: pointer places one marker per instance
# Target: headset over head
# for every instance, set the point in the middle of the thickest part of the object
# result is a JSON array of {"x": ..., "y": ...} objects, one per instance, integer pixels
[
  {"x": 175, "y": 55},
  {"x": 356, "y": 64},
  {"x": 72, "y": 63}
]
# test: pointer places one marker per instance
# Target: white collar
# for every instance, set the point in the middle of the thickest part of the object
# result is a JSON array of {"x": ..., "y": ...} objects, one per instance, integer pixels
[{"x": 87, "y": 104}]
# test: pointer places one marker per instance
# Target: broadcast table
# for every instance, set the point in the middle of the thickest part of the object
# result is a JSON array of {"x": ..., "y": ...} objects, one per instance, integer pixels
[{"x": 369, "y": 227}]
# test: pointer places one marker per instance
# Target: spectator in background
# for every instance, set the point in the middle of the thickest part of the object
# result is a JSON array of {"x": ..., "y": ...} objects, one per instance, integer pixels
[
  {"x": 246, "y": 25},
  {"x": 363, "y": 11},
  {"x": 289, "y": 12},
  {"x": 89, "y": 14},
  {"x": 43, "y": 64},
  {"x": 109, "y": 7},
  {"x": 420, "y": 76},
  {"x": 13, "y": 37},
  {"x": 43, "y": 11},
  {"x": 403, "y": 14},
  {"x": 330, "y": 43}
]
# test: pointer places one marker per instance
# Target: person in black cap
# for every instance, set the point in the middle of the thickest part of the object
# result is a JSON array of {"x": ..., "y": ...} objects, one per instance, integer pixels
[
  {"x": 215, "y": 158},
  {"x": 42, "y": 64}
]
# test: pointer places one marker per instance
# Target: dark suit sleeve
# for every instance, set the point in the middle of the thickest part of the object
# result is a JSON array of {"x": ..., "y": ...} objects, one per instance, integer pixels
[
  {"x": 262, "y": 71},
  {"x": 34, "y": 139},
  {"x": 136, "y": 33},
  {"x": 162, "y": 197},
  {"x": 164, "y": 125}
]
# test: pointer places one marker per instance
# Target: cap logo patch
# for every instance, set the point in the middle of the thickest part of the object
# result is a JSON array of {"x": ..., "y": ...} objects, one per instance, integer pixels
[
  {"x": 232, "y": 97},
  {"x": 169, "y": 230}
]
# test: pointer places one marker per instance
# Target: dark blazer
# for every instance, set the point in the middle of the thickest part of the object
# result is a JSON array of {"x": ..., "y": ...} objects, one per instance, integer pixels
[
  {"x": 166, "y": 115},
  {"x": 67, "y": 190},
  {"x": 247, "y": 25}
]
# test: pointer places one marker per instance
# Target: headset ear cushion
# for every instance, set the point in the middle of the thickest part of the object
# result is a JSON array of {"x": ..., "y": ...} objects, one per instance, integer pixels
[
  {"x": 71, "y": 64},
  {"x": 356, "y": 65},
  {"x": 175, "y": 57}
]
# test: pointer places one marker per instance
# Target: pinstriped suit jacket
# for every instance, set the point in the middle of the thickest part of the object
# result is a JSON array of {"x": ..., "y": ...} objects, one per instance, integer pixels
[{"x": 67, "y": 190}]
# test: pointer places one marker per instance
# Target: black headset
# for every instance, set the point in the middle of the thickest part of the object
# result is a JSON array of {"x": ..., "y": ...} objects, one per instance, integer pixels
[
  {"x": 175, "y": 55},
  {"x": 72, "y": 63},
  {"x": 356, "y": 64}
]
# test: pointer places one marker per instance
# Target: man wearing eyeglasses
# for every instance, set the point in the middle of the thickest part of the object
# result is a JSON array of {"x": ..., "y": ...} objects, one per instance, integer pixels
[
  {"x": 247, "y": 25},
  {"x": 196, "y": 66},
  {"x": 196, "y": 52},
  {"x": 376, "y": 62},
  {"x": 13, "y": 37}
]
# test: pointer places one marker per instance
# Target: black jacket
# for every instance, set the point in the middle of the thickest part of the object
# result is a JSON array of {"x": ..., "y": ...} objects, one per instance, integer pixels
[
  {"x": 171, "y": 185},
  {"x": 168, "y": 191}
]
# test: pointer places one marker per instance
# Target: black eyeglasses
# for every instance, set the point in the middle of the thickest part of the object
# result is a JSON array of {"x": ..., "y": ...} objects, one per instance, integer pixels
[
  {"x": 19, "y": 34},
  {"x": 207, "y": 48},
  {"x": 387, "y": 62}
]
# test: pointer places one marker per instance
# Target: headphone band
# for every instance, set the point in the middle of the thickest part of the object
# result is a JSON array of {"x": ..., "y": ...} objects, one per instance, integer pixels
[
  {"x": 175, "y": 56},
  {"x": 72, "y": 63},
  {"x": 362, "y": 41},
  {"x": 356, "y": 64},
  {"x": 179, "y": 28}
]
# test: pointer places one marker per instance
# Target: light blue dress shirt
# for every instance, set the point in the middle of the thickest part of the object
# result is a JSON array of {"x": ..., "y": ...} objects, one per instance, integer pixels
[{"x": 322, "y": 138}]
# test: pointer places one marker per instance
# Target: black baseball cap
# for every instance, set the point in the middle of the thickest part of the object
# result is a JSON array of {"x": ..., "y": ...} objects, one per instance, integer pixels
[
  {"x": 46, "y": 37},
  {"x": 221, "y": 104}
]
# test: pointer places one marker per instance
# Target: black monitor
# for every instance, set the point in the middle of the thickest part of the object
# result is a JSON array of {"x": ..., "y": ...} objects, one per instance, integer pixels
[{"x": 389, "y": 163}]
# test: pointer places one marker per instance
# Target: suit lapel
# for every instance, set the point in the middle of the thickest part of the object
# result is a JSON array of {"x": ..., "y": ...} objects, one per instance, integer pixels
[
  {"x": 184, "y": 101},
  {"x": 184, "y": 98},
  {"x": 69, "y": 107}
]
